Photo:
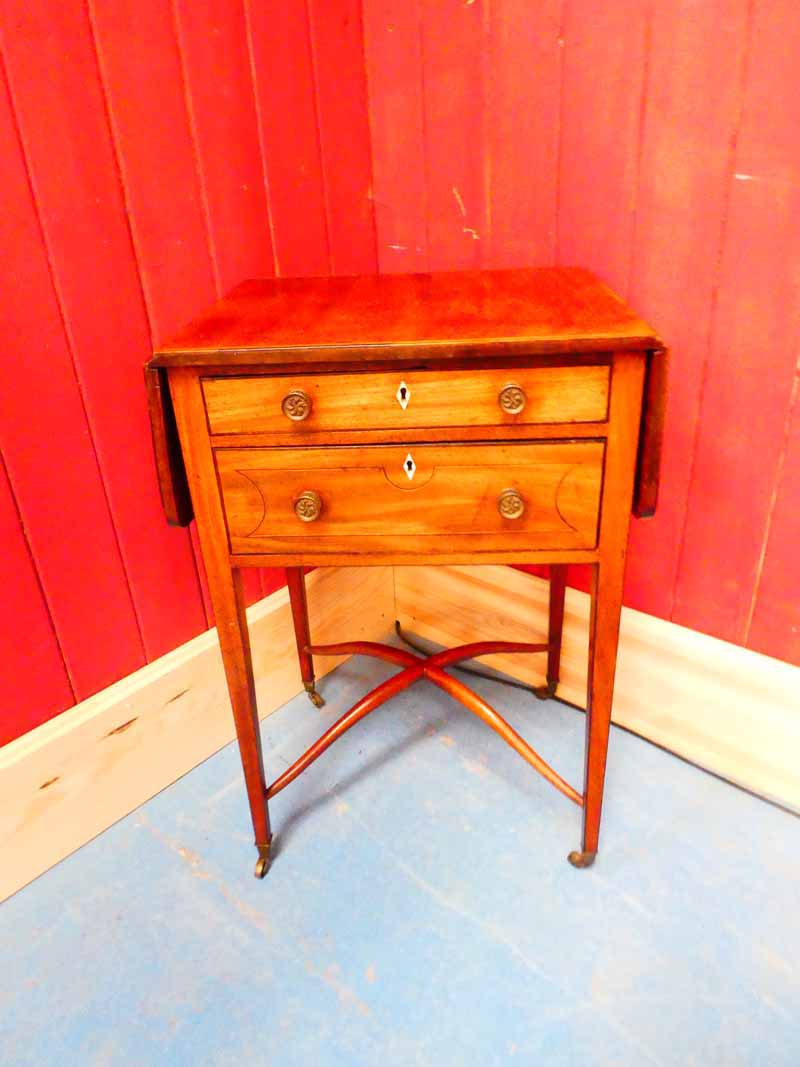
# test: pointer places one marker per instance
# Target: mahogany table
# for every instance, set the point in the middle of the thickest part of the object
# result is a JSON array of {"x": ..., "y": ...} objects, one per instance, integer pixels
[{"x": 472, "y": 417}]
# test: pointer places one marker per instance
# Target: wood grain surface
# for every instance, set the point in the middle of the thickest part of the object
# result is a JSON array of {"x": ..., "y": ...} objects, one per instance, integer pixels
[
  {"x": 448, "y": 398},
  {"x": 450, "y": 503},
  {"x": 536, "y": 310}
]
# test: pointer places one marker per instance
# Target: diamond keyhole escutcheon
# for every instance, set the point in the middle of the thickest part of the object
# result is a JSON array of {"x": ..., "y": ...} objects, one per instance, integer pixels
[
  {"x": 409, "y": 466},
  {"x": 403, "y": 395}
]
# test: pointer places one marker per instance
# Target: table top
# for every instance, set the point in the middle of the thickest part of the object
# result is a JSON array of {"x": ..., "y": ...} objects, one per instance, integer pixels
[{"x": 388, "y": 317}]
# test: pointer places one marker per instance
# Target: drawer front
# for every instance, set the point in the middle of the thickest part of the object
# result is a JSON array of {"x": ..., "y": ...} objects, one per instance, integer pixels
[
  {"x": 387, "y": 497},
  {"x": 413, "y": 399}
]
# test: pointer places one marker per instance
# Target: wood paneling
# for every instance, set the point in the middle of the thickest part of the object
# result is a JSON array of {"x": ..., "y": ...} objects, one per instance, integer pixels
[
  {"x": 156, "y": 154},
  {"x": 694, "y": 93},
  {"x": 287, "y": 114},
  {"x": 32, "y": 672},
  {"x": 524, "y": 51},
  {"x": 146, "y": 96},
  {"x": 74, "y": 178},
  {"x": 452, "y": 102},
  {"x": 774, "y": 628},
  {"x": 133, "y": 187},
  {"x": 49, "y": 451},
  {"x": 753, "y": 355},
  {"x": 606, "y": 49},
  {"x": 221, "y": 108},
  {"x": 337, "y": 49},
  {"x": 393, "y": 59},
  {"x": 670, "y": 170}
]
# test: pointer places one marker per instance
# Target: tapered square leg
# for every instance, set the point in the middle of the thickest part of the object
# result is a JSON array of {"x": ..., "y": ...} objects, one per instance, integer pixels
[
  {"x": 558, "y": 584},
  {"x": 229, "y": 610},
  {"x": 295, "y": 581},
  {"x": 607, "y": 580},
  {"x": 227, "y": 599},
  {"x": 603, "y": 639}
]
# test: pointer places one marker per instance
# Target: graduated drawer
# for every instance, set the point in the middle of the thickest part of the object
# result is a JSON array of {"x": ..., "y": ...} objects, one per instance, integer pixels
[
  {"x": 408, "y": 400},
  {"x": 397, "y": 498}
]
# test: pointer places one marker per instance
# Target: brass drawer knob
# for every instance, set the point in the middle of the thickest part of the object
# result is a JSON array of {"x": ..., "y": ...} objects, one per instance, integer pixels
[
  {"x": 512, "y": 398},
  {"x": 510, "y": 504},
  {"x": 296, "y": 405},
  {"x": 308, "y": 506}
]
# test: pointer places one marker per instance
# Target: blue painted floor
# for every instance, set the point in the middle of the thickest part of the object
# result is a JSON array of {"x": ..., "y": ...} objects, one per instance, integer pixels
[{"x": 420, "y": 910}]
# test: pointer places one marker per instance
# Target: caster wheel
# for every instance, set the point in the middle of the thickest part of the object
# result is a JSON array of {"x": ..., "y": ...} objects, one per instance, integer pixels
[
  {"x": 581, "y": 859},
  {"x": 545, "y": 692},
  {"x": 314, "y": 697},
  {"x": 262, "y": 863}
]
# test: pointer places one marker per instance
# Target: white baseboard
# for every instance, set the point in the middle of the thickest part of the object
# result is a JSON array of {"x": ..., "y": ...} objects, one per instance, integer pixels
[
  {"x": 725, "y": 708},
  {"x": 72, "y": 777}
]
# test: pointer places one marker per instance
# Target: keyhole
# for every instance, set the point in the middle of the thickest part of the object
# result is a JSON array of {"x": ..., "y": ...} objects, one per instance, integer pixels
[
  {"x": 403, "y": 392},
  {"x": 409, "y": 464}
]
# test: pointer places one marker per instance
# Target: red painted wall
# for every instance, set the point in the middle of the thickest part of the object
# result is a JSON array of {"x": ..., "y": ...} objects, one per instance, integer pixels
[{"x": 155, "y": 154}]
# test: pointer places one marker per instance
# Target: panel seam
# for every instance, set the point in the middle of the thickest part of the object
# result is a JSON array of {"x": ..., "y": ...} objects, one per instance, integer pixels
[{"x": 71, "y": 349}]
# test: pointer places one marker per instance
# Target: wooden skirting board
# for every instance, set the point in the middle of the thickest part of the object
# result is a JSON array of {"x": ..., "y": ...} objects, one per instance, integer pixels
[
  {"x": 725, "y": 708},
  {"x": 72, "y": 777}
]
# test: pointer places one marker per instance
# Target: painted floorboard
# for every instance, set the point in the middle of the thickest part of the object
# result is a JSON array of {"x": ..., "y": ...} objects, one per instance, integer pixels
[{"x": 420, "y": 910}]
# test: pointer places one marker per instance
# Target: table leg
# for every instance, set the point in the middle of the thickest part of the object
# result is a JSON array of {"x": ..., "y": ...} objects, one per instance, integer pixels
[
  {"x": 225, "y": 588},
  {"x": 558, "y": 584},
  {"x": 603, "y": 639},
  {"x": 295, "y": 580},
  {"x": 229, "y": 610}
]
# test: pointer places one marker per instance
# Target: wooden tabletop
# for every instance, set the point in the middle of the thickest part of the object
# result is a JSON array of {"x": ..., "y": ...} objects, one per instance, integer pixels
[{"x": 385, "y": 317}]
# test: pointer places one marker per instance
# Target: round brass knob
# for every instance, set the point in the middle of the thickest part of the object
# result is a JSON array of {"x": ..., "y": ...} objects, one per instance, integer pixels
[
  {"x": 296, "y": 405},
  {"x": 512, "y": 398},
  {"x": 308, "y": 506},
  {"x": 510, "y": 504}
]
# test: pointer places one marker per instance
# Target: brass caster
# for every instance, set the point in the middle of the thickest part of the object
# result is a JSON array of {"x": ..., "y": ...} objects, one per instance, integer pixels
[
  {"x": 262, "y": 863},
  {"x": 546, "y": 692},
  {"x": 313, "y": 695},
  {"x": 581, "y": 859}
]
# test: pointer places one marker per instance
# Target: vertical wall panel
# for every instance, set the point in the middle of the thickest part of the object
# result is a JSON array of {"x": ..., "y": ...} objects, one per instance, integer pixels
[
  {"x": 216, "y": 66},
  {"x": 157, "y": 153},
  {"x": 775, "y": 627},
  {"x": 452, "y": 79},
  {"x": 215, "y": 60},
  {"x": 75, "y": 181},
  {"x": 338, "y": 61},
  {"x": 692, "y": 105},
  {"x": 141, "y": 71},
  {"x": 281, "y": 56},
  {"x": 32, "y": 673},
  {"x": 605, "y": 51},
  {"x": 753, "y": 356},
  {"x": 393, "y": 56},
  {"x": 521, "y": 123},
  {"x": 605, "y": 56},
  {"x": 48, "y": 451}
]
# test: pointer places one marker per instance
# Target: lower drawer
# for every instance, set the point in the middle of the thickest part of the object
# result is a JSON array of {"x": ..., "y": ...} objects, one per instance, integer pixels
[{"x": 473, "y": 498}]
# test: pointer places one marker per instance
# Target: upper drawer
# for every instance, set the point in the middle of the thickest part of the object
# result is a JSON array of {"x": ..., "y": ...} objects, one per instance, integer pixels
[{"x": 408, "y": 400}]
